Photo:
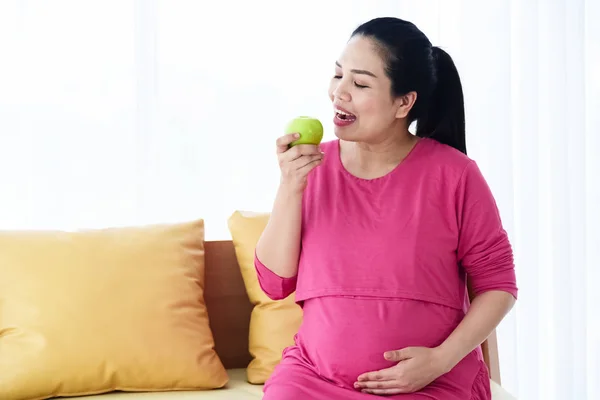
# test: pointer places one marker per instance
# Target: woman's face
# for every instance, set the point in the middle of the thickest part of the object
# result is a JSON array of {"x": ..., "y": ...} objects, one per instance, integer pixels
[{"x": 364, "y": 109}]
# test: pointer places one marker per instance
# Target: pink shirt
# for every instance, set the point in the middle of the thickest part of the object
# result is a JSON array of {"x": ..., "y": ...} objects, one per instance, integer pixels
[
  {"x": 383, "y": 266},
  {"x": 414, "y": 233}
]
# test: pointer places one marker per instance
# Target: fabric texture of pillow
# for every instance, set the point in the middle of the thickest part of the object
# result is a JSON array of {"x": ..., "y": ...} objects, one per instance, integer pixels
[
  {"x": 94, "y": 311},
  {"x": 273, "y": 324}
]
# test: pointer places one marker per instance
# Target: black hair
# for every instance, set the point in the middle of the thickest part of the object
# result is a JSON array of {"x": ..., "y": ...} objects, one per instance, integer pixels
[{"x": 413, "y": 64}]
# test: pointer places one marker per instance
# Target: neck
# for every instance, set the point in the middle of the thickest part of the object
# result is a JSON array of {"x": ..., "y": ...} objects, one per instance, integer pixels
[
  {"x": 390, "y": 150},
  {"x": 377, "y": 158}
]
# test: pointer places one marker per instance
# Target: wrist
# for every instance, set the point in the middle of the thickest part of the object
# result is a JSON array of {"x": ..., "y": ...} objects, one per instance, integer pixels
[
  {"x": 290, "y": 190},
  {"x": 447, "y": 357}
]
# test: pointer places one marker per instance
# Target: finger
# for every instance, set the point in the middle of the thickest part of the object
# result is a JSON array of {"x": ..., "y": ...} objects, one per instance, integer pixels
[
  {"x": 384, "y": 392},
  {"x": 399, "y": 355},
  {"x": 299, "y": 151},
  {"x": 303, "y": 161},
  {"x": 304, "y": 171},
  {"x": 391, "y": 384},
  {"x": 387, "y": 374},
  {"x": 284, "y": 141}
]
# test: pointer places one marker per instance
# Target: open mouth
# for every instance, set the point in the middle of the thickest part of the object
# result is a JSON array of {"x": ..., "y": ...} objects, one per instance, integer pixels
[{"x": 344, "y": 116}]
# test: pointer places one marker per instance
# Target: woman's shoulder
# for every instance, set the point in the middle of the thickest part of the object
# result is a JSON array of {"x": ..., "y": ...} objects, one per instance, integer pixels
[
  {"x": 441, "y": 157},
  {"x": 442, "y": 165}
]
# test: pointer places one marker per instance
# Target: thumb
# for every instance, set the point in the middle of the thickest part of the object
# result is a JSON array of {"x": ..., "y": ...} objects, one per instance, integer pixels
[{"x": 399, "y": 355}]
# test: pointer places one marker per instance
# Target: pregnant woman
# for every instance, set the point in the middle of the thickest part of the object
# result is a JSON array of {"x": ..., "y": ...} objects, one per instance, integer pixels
[{"x": 378, "y": 230}]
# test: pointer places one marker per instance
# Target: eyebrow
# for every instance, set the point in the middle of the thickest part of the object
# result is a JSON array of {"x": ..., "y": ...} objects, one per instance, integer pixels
[{"x": 359, "y": 71}]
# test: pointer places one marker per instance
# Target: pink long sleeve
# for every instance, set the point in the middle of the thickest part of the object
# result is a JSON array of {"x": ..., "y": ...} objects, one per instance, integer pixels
[
  {"x": 274, "y": 286},
  {"x": 484, "y": 250}
]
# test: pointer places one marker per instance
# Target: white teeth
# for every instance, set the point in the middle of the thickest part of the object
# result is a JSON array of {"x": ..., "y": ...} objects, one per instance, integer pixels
[{"x": 342, "y": 112}]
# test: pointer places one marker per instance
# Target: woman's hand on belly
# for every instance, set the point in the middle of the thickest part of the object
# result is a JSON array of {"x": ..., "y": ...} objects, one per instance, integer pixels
[{"x": 417, "y": 367}]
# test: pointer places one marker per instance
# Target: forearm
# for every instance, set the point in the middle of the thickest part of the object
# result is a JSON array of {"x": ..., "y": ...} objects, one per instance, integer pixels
[
  {"x": 279, "y": 245},
  {"x": 486, "y": 312}
]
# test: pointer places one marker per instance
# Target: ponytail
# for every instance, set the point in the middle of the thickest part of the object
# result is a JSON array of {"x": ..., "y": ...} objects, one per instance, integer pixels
[
  {"x": 444, "y": 118},
  {"x": 413, "y": 64}
]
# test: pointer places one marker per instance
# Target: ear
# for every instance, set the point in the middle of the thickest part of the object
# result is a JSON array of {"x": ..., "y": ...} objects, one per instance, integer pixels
[{"x": 404, "y": 104}]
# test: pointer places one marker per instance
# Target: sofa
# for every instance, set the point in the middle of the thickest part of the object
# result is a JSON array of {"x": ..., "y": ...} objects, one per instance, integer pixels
[{"x": 229, "y": 302}]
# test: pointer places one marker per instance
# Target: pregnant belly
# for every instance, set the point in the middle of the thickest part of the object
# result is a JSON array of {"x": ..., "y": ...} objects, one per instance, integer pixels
[{"x": 343, "y": 337}]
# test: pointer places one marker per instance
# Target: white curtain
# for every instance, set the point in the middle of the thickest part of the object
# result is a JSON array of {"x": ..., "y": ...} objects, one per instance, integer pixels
[{"x": 117, "y": 112}]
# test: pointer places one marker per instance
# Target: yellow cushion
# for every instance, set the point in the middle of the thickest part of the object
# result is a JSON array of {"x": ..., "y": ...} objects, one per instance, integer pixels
[
  {"x": 93, "y": 311},
  {"x": 273, "y": 324}
]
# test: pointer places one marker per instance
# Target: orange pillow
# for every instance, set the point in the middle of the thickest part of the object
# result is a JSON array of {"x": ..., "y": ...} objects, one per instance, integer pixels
[
  {"x": 273, "y": 324},
  {"x": 101, "y": 310}
]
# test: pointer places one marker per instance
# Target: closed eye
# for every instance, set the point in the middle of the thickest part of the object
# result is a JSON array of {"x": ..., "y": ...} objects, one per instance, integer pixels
[{"x": 355, "y": 84}]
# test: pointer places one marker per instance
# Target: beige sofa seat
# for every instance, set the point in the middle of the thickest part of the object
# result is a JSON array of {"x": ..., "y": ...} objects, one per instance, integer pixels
[
  {"x": 237, "y": 389},
  {"x": 498, "y": 393}
]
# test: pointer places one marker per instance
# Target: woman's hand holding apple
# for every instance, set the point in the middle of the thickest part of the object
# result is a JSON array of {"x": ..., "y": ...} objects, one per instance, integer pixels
[{"x": 295, "y": 162}]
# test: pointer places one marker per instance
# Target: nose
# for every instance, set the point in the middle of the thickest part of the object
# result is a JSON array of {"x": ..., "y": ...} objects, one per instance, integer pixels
[{"x": 340, "y": 91}]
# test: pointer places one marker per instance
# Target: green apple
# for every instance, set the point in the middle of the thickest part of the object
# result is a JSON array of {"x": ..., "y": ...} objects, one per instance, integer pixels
[{"x": 309, "y": 128}]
